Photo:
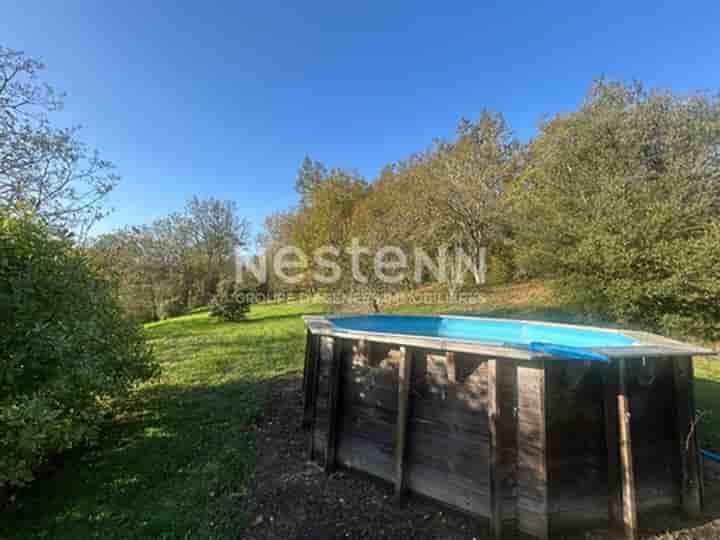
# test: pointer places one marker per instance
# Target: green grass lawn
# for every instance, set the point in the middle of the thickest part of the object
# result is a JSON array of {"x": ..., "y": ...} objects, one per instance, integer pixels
[
  {"x": 707, "y": 398},
  {"x": 177, "y": 460}
]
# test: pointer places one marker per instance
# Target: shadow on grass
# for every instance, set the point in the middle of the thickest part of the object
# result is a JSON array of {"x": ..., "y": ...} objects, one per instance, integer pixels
[{"x": 175, "y": 463}]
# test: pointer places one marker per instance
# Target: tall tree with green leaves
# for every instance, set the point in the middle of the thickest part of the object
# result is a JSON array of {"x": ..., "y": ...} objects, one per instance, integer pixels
[
  {"x": 473, "y": 176},
  {"x": 620, "y": 200},
  {"x": 310, "y": 175},
  {"x": 216, "y": 231}
]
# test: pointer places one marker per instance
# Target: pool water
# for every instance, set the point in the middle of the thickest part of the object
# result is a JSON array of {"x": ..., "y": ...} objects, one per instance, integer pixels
[{"x": 562, "y": 340}]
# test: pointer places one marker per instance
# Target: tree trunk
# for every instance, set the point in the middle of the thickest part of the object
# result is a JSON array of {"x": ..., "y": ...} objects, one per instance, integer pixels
[{"x": 479, "y": 270}]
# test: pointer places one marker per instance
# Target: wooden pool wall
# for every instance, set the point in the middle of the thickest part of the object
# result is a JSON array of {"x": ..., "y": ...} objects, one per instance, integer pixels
[{"x": 533, "y": 446}]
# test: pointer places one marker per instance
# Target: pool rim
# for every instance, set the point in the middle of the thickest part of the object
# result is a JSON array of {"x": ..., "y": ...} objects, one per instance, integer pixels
[{"x": 647, "y": 344}]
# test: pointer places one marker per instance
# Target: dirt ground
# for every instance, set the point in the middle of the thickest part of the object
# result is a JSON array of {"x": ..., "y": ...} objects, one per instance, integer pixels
[{"x": 294, "y": 499}]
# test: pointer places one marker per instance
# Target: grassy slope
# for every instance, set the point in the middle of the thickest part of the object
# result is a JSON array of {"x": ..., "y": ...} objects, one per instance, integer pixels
[{"x": 176, "y": 462}]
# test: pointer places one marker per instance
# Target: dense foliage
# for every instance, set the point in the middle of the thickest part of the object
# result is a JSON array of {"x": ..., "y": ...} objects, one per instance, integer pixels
[
  {"x": 620, "y": 200},
  {"x": 66, "y": 349},
  {"x": 43, "y": 168},
  {"x": 231, "y": 302},
  {"x": 174, "y": 264},
  {"x": 617, "y": 202}
]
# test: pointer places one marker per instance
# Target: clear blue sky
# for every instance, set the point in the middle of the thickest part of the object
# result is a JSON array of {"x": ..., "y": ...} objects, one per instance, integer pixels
[{"x": 225, "y": 98}]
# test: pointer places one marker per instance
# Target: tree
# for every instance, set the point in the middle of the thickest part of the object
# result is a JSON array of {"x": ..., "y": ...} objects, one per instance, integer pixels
[
  {"x": 122, "y": 257},
  {"x": 44, "y": 171},
  {"x": 474, "y": 173},
  {"x": 620, "y": 201},
  {"x": 174, "y": 263},
  {"x": 310, "y": 175},
  {"x": 216, "y": 231},
  {"x": 279, "y": 231},
  {"x": 231, "y": 302},
  {"x": 325, "y": 222}
]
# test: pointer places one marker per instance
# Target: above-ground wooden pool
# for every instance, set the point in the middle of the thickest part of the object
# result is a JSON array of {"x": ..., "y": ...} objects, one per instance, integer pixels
[{"x": 537, "y": 427}]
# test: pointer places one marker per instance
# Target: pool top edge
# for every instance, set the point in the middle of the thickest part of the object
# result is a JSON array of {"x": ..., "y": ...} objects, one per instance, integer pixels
[{"x": 644, "y": 344}]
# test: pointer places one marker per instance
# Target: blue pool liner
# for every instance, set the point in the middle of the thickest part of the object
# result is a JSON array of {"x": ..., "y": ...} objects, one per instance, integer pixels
[
  {"x": 569, "y": 342},
  {"x": 710, "y": 455},
  {"x": 570, "y": 353}
]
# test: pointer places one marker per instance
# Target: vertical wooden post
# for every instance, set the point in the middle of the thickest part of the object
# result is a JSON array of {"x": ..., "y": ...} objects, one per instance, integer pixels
[
  {"x": 493, "y": 411},
  {"x": 404, "y": 378},
  {"x": 338, "y": 346},
  {"x": 626, "y": 456},
  {"x": 451, "y": 367},
  {"x": 313, "y": 383},
  {"x": 311, "y": 354},
  {"x": 610, "y": 403},
  {"x": 308, "y": 336},
  {"x": 691, "y": 486}
]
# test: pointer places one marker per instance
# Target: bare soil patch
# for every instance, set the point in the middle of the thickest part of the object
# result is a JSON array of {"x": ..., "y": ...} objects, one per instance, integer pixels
[{"x": 293, "y": 499}]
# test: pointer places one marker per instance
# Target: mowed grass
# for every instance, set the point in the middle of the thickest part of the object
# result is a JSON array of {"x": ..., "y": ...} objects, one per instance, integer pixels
[
  {"x": 707, "y": 401},
  {"x": 177, "y": 460}
]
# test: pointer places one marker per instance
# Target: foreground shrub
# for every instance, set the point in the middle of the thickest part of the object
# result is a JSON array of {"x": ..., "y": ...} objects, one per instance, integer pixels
[
  {"x": 231, "y": 302},
  {"x": 620, "y": 201},
  {"x": 66, "y": 350}
]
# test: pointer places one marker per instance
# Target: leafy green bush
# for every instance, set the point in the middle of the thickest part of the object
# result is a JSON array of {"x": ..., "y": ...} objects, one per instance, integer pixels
[
  {"x": 620, "y": 201},
  {"x": 66, "y": 350},
  {"x": 231, "y": 302}
]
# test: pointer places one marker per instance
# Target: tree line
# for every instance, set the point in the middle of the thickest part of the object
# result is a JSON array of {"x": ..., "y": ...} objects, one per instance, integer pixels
[
  {"x": 176, "y": 263},
  {"x": 616, "y": 202}
]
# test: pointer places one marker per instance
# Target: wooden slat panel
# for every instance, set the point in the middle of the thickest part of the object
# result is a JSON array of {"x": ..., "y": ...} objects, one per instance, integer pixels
[
  {"x": 576, "y": 450},
  {"x": 401, "y": 427},
  {"x": 448, "y": 450},
  {"x": 532, "y": 477},
  {"x": 334, "y": 405},
  {"x": 650, "y": 386},
  {"x": 691, "y": 487},
  {"x": 310, "y": 378},
  {"x": 507, "y": 428},
  {"x": 494, "y": 406},
  {"x": 365, "y": 455},
  {"x": 313, "y": 383},
  {"x": 458, "y": 491},
  {"x": 612, "y": 445}
]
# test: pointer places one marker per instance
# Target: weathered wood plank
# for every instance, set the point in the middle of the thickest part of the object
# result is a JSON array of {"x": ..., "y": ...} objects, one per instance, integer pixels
[
  {"x": 691, "y": 487},
  {"x": 610, "y": 407},
  {"x": 308, "y": 337},
  {"x": 401, "y": 426},
  {"x": 451, "y": 367},
  {"x": 493, "y": 411},
  {"x": 309, "y": 376},
  {"x": 455, "y": 490},
  {"x": 507, "y": 428},
  {"x": 627, "y": 471},
  {"x": 532, "y": 471},
  {"x": 334, "y": 404},
  {"x": 312, "y": 388}
]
